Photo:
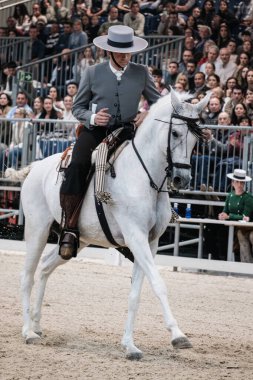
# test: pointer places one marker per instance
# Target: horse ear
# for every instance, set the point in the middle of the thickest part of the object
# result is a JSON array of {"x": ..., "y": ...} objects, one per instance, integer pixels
[
  {"x": 175, "y": 101},
  {"x": 202, "y": 104}
]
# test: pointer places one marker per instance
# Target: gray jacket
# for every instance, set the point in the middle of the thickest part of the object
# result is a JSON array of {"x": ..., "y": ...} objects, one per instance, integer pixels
[{"x": 99, "y": 88}]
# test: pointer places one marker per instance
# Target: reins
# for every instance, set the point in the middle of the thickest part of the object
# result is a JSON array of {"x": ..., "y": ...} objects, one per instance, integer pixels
[{"x": 194, "y": 128}]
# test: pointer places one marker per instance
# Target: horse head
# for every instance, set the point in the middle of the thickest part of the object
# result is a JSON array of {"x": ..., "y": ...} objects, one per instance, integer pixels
[{"x": 183, "y": 134}]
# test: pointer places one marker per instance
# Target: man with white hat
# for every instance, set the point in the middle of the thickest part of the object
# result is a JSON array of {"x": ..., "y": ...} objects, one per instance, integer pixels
[
  {"x": 108, "y": 98},
  {"x": 239, "y": 206}
]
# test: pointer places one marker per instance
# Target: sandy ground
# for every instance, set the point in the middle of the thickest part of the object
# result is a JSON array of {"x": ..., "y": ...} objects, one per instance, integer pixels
[{"x": 83, "y": 318}]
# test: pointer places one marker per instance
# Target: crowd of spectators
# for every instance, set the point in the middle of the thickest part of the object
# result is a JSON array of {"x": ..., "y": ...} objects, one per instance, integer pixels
[{"x": 217, "y": 54}]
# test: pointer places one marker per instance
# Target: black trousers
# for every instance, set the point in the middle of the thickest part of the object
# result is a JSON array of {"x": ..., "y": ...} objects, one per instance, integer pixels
[{"x": 76, "y": 173}]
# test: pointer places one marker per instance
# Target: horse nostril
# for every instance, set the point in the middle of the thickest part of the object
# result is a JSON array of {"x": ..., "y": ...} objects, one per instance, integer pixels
[{"x": 177, "y": 181}]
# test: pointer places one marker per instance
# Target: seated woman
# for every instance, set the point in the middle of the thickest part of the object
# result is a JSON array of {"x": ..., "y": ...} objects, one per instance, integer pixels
[{"x": 239, "y": 206}]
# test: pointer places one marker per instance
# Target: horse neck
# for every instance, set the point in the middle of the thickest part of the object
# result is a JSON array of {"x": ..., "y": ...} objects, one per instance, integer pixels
[{"x": 151, "y": 147}]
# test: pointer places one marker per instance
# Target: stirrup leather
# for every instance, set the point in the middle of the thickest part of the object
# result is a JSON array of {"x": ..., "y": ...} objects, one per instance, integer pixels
[{"x": 69, "y": 243}]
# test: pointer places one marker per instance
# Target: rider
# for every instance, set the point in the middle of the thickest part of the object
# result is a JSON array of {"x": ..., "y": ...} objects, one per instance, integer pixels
[{"x": 108, "y": 98}]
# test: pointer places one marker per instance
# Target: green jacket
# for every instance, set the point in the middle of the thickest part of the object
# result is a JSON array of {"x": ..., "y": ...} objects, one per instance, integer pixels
[{"x": 238, "y": 206}]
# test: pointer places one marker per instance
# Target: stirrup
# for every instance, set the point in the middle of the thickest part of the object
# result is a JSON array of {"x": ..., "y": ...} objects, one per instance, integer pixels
[{"x": 69, "y": 243}]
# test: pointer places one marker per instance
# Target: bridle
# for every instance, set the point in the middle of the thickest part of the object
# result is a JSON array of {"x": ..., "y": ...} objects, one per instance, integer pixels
[{"x": 194, "y": 128}]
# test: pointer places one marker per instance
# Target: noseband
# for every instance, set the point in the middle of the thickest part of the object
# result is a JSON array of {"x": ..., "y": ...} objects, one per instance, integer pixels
[{"x": 193, "y": 127}]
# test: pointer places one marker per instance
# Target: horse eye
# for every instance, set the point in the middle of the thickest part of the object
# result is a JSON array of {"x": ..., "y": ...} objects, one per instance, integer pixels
[{"x": 175, "y": 134}]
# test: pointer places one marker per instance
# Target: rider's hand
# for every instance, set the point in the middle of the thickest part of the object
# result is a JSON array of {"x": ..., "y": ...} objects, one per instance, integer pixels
[
  {"x": 102, "y": 117},
  {"x": 139, "y": 118}
]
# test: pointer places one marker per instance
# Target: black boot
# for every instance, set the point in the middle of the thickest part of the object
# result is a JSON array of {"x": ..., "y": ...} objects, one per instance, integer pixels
[{"x": 69, "y": 240}]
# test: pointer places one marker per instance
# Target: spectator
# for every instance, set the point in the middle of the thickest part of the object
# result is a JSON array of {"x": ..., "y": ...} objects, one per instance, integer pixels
[
  {"x": 249, "y": 79},
  {"x": 56, "y": 99},
  {"x": 42, "y": 29},
  {"x": 225, "y": 68},
  {"x": 238, "y": 112},
  {"x": 100, "y": 55},
  {"x": 228, "y": 87},
  {"x": 241, "y": 77},
  {"x": 232, "y": 47},
  {"x": 210, "y": 117},
  {"x": 191, "y": 68},
  {"x": 239, "y": 206},
  {"x": 158, "y": 76},
  {"x": 183, "y": 81},
  {"x": 134, "y": 19},
  {"x": 93, "y": 28},
  {"x": 87, "y": 60},
  {"x": 186, "y": 57},
  {"x": 207, "y": 12},
  {"x": 5, "y": 105},
  {"x": 236, "y": 97},
  {"x": 37, "y": 107},
  {"x": 244, "y": 36},
  {"x": 79, "y": 10},
  {"x": 226, "y": 14},
  {"x": 244, "y": 9},
  {"x": 63, "y": 71},
  {"x": 37, "y": 15},
  {"x": 13, "y": 153},
  {"x": 50, "y": 12},
  {"x": 37, "y": 46},
  {"x": 171, "y": 74},
  {"x": 124, "y": 7},
  {"x": 8, "y": 84},
  {"x": 209, "y": 69},
  {"x": 185, "y": 7},
  {"x": 85, "y": 23},
  {"x": 113, "y": 19},
  {"x": 22, "y": 19},
  {"x": 189, "y": 44},
  {"x": 72, "y": 88},
  {"x": 52, "y": 40},
  {"x": 249, "y": 104},
  {"x": 205, "y": 33},
  {"x": 199, "y": 84},
  {"x": 205, "y": 160},
  {"x": 170, "y": 25},
  {"x": 223, "y": 37},
  {"x": 63, "y": 41},
  {"x": 67, "y": 115},
  {"x": 21, "y": 102},
  {"x": 212, "y": 55},
  {"x": 212, "y": 81},
  {"x": 77, "y": 38},
  {"x": 62, "y": 13},
  {"x": 97, "y": 8}
]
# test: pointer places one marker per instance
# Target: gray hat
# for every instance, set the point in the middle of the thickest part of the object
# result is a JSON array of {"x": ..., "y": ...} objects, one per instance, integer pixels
[
  {"x": 239, "y": 175},
  {"x": 120, "y": 39}
]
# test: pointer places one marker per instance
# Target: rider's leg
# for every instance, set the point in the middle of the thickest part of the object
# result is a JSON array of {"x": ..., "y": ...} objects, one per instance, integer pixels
[{"x": 72, "y": 189}]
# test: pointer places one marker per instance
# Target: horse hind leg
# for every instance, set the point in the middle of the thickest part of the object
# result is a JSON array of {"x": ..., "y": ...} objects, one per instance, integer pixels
[
  {"x": 48, "y": 264},
  {"x": 132, "y": 352},
  {"x": 36, "y": 235}
]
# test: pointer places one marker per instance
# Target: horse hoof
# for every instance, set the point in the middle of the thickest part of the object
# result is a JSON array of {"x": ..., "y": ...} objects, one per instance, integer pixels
[
  {"x": 35, "y": 338},
  {"x": 38, "y": 333},
  {"x": 134, "y": 356},
  {"x": 181, "y": 343}
]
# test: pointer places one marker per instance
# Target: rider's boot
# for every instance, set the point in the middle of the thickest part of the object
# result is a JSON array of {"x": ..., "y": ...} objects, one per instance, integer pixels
[{"x": 69, "y": 241}]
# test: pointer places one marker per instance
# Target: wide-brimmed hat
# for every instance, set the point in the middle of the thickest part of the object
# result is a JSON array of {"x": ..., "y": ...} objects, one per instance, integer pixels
[
  {"x": 120, "y": 39},
  {"x": 239, "y": 175}
]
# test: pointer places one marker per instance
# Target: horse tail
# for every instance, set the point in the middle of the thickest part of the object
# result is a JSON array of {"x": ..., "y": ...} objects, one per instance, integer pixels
[{"x": 17, "y": 175}]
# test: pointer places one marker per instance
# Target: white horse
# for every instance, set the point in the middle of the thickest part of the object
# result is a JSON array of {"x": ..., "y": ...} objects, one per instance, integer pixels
[{"x": 137, "y": 216}]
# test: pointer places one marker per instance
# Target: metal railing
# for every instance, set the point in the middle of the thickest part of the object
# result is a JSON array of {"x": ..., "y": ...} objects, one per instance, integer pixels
[{"x": 39, "y": 73}]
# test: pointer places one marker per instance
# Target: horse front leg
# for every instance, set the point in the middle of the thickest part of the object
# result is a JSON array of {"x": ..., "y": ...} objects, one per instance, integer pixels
[
  {"x": 132, "y": 352},
  {"x": 139, "y": 245}
]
